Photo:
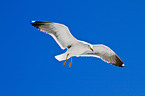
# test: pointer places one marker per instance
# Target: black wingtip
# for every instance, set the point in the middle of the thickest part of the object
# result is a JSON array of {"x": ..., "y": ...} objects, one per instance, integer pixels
[
  {"x": 122, "y": 65},
  {"x": 40, "y": 22},
  {"x": 37, "y": 24},
  {"x": 119, "y": 62}
]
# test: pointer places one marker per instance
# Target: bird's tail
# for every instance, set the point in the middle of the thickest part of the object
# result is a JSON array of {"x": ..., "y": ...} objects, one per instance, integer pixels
[{"x": 61, "y": 57}]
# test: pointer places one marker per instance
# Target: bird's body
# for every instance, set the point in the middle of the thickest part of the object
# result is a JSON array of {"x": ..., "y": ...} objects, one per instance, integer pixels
[{"x": 76, "y": 47}]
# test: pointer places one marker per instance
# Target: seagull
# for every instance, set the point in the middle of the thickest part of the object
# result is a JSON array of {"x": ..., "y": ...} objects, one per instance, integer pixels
[{"x": 75, "y": 47}]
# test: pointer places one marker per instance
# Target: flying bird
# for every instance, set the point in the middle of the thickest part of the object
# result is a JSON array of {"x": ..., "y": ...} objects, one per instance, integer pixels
[{"x": 75, "y": 47}]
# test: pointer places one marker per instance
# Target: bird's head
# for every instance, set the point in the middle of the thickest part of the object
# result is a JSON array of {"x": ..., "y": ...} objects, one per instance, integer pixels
[{"x": 91, "y": 47}]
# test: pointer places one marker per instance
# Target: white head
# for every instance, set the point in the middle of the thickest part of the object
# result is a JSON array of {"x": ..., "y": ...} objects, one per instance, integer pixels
[{"x": 90, "y": 46}]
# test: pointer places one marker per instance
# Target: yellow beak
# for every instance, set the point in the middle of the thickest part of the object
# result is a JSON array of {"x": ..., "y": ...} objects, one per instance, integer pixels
[{"x": 92, "y": 49}]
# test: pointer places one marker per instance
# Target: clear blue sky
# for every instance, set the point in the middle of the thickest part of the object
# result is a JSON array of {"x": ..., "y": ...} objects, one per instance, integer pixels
[{"x": 27, "y": 63}]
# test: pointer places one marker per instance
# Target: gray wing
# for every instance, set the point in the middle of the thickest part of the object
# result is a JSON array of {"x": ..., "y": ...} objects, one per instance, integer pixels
[
  {"x": 59, "y": 32},
  {"x": 106, "y": 54}
]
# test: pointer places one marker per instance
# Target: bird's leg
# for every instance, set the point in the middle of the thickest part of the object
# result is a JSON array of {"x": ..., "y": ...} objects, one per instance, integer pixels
[
  {"x": 66, "y": 59},
  {"x": 70, "y": 63}
]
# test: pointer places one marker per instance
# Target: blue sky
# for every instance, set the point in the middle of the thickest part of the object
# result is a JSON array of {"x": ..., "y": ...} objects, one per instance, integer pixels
[{"x": 27, "y": 63}]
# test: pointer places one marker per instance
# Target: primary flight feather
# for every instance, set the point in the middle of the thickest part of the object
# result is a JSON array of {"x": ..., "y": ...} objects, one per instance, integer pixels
[{"x": 76, "y": 47}]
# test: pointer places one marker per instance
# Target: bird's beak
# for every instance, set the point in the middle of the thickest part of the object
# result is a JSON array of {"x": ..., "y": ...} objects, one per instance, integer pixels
[{"x": 92, "y": 49}]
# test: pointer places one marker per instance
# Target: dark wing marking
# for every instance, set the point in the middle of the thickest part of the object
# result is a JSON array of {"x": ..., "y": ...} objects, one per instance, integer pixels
[
  {"x": 58, "y": 31},
  {"x": 106, "y": 54}
]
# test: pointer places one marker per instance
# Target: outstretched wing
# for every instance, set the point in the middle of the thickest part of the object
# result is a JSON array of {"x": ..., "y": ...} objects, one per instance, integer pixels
[
  {"x": 59, "y": 32},
  {"x": 106, "y": 54}
]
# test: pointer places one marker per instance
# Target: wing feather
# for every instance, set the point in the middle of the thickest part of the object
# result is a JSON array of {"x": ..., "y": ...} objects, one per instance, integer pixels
[
  {"x": 59, "y": 32},
  {"x": 106, "y": 54}
]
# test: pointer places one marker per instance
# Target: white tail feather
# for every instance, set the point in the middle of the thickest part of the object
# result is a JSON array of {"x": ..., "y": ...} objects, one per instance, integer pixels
[{"x": 60, "y": 57}]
